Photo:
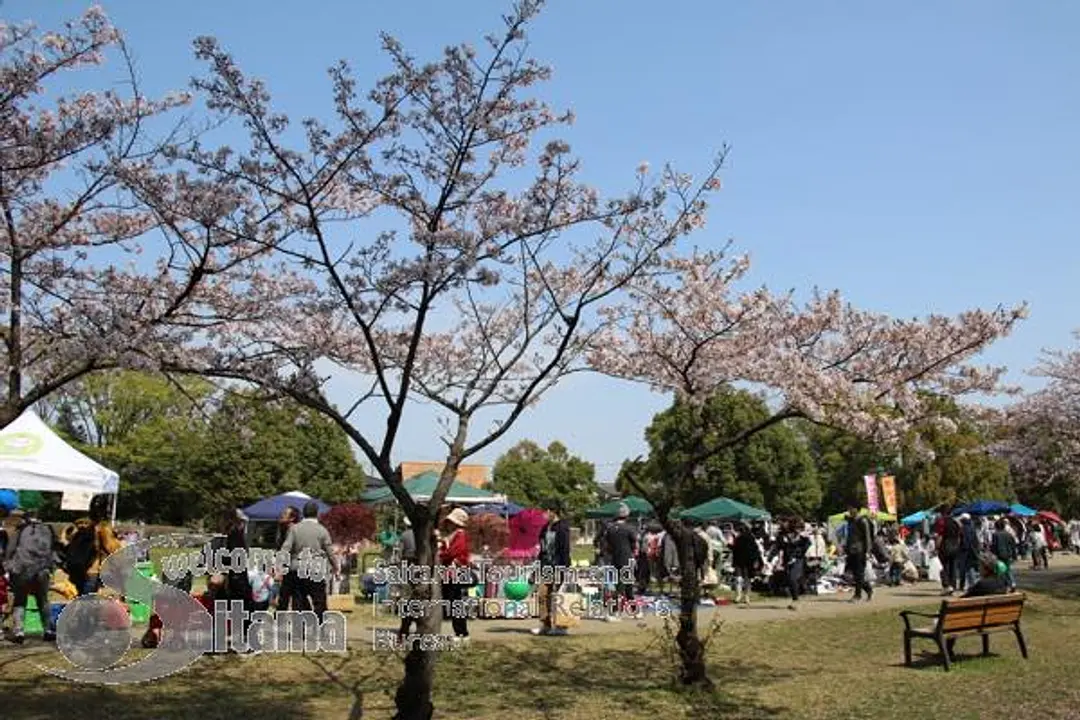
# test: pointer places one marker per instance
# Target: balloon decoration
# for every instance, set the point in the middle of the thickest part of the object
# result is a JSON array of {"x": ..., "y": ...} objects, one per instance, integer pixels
[{"x": 517, "y": 590}]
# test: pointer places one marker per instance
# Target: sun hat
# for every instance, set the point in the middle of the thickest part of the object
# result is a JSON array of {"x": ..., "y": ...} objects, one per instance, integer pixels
[{"x": 458, "y": 517}]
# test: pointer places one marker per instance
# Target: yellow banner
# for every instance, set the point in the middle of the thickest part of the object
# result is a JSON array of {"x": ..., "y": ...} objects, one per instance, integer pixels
[{"x": 888, "y": 490}]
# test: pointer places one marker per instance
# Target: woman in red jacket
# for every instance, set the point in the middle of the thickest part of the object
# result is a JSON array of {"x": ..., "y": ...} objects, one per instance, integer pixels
[{"x": 454, "y": 555}]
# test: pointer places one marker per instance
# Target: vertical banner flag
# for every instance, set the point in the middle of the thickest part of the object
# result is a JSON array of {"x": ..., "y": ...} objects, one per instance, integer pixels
[
  {"x": 77, "y": 501},
  {"x": 888, "y": 491},
  {"x": 871, "y": 493}
]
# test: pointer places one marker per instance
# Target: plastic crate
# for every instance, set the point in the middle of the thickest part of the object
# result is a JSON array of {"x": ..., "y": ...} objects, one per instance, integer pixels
[
  {"x": 140, "y": 614},
  {"x": 32, "y": 619}
]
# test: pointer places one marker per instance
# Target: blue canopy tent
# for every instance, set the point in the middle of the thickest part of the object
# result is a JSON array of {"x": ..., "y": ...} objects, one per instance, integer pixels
[
  {"x": 271, "y": 508},
  {"x": 918, "y": 518},
  {"x": 1022, "y": 510},
  {"x": 983, "y": 507},
  {"x": 506, "y": 509}
]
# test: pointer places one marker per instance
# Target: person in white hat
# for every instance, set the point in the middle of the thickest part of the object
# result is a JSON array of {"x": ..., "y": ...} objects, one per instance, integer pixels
[{"x": 454, "y": 553}]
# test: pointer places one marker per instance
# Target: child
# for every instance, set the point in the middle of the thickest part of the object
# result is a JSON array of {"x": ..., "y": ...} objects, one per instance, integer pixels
[
  {"x": 152, "y": 637},
  {"x": 898, "y": 558},
  {"x": 262, "y": 584}
]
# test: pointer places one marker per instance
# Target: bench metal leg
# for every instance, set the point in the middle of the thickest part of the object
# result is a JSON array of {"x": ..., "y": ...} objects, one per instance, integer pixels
[
  {"x": 943, "y": 646},
  {"x": 1020, "y": 641},
  {"x": 907, "y": 650},
  {"x": 986, "y": 645}
]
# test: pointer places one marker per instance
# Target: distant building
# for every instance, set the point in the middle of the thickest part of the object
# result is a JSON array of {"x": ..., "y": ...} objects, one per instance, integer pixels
[
  {"x": 607, "y": 491},
  {"x": 476, "y": 476}
]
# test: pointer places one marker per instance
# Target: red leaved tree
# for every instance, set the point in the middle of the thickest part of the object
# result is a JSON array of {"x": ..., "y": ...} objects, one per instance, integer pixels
[
  {"x": 349, "y": 523},
  {"x": 488, "y": 531}
]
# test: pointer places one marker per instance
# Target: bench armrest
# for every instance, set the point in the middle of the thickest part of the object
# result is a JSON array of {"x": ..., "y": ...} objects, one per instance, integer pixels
[{"x": 906, "y": 614}]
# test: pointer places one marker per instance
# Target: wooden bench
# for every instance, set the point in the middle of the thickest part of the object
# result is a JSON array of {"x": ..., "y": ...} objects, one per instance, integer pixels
[{"x": 967, "y": 616}]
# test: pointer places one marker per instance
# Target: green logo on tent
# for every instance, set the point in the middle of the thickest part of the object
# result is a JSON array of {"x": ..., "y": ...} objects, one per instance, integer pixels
[{"x": 20, "y": 443}]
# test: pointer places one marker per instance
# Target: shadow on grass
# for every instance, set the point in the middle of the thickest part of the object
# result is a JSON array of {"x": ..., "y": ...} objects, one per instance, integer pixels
[
  {"x": 215, "y": 688},
  {"x": 552, "y": 677},
  {"x": 931, "y": 660},
  {"x": 1057, "y": 586},
  {"x": 507, "y": 630}
]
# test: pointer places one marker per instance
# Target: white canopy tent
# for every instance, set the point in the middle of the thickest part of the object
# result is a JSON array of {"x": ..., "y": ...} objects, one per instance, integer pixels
[{"x": 33, "y": 457}]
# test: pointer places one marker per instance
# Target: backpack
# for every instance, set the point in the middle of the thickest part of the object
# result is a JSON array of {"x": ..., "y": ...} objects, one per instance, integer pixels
[
  {"x": 80, "y": 552},
  {"x": 33, "y": 553}
]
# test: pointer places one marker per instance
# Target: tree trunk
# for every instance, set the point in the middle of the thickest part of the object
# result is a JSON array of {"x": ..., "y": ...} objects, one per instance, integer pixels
[
  {"x": 413, "y": 697},
  {"x": 13, "y": 396},
  {"x": 691, "y": 649}
]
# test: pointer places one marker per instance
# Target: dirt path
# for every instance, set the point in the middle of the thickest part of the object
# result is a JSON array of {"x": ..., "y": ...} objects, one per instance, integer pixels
[{"x": 776, "y": 609}]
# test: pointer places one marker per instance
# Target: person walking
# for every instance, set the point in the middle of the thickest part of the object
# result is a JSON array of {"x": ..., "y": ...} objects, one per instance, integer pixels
[
  {"x": 554, "y": 558},
  {"x": 311, "y": 555},
  {"x": 288, "y": 595},
  {"x": 791, "y": 547},
  {"x": 455, "y": 557},
  {"x": 746, "y": 560},
  {"x": 969, "y": 552},
  {"x": 858, "y": 543},
  {"x": 1040, "y": 548},
  {"x": 949, "y": 548},
  {"x": 30, "y": 560},
  {"x": 622, "y": 543},
  {"x": 1003, "y": 546}
]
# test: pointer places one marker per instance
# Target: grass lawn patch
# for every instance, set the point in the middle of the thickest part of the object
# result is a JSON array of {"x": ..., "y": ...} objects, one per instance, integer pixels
[{"x": 837, "y": 667}]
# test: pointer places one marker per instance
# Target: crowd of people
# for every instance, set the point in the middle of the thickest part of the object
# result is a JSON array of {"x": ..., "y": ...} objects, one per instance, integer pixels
[
  {"x": 35, "y": 560},
  {"x": 790, "y": 557}
]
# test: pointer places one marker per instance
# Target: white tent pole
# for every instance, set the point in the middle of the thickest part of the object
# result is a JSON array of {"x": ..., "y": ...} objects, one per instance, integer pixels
[{"x": 115, "y": 502}]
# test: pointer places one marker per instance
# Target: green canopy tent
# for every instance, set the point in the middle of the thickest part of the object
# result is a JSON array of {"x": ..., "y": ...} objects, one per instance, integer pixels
[
  {"x": 422, "y": 487},
  {"x": 723, "y": 508},
  {"x": 639, "y": 507},
  {"x": 879, "y": 516}
]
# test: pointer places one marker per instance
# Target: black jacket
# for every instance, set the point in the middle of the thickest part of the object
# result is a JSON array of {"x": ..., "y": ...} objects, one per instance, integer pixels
[
  {"x": 745, "y": 552},
  {"x": 860, "y": 537},
  {"x": 1004, "y": 546},
  {"x": 558, "y": 553},
  {"x": 792, "y": 547}
]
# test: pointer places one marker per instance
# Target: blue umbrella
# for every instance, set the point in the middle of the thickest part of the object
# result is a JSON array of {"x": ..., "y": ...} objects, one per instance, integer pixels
[
  {"x": 983, "y": 507},
  {"x": 916, "y": 518},
  {"x": 1023, "y": 510},
  {"x": 271, "y": 508},
  {"x": 9, "y": 499},
  {"x": 507, "y": 509}
]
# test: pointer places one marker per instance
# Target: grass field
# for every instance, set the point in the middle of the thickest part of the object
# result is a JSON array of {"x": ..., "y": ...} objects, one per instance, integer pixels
[{"x": 814, "y": 667}]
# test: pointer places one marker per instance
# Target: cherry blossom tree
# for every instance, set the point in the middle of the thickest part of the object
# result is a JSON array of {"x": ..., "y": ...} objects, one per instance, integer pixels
[
  {"x": 432, "y": 237},
  {"x": 690, "y": 331},
  {"x": 1041, "y": 435},
  {"x": 78, "y": 291}
]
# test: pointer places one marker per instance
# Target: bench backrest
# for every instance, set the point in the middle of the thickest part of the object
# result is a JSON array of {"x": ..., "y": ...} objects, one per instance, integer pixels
[{"x": 971, "y": 613}]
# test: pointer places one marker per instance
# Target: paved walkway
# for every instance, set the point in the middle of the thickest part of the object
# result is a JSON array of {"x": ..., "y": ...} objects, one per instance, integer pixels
[{"x": 776, "y": 609}]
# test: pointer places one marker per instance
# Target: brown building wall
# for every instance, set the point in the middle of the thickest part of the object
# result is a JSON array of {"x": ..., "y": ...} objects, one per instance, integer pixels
[{"x": 474, "y": 475}]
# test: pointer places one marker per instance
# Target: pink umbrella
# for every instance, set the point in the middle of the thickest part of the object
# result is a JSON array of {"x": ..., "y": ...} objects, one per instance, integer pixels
[
  {"x": 1051, "y": 516},
  {"x": 525, "y": 534}
]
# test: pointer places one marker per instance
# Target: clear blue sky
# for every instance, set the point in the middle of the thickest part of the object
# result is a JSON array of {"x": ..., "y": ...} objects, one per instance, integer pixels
[{"x": 919, "y": 156}]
